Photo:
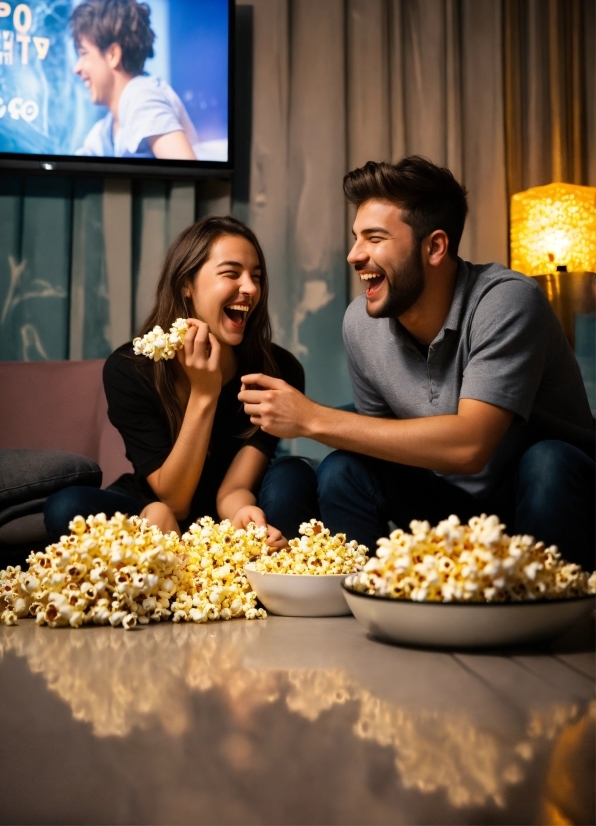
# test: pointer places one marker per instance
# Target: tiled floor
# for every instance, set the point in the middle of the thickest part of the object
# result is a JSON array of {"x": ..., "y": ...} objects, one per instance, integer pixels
[{"x": 301, "y": 721}]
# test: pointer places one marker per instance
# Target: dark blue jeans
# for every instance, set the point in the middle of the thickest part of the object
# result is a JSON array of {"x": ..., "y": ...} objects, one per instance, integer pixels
[
  {"x": 288, "y": 495},
  {"x": 551, "y": 498}
]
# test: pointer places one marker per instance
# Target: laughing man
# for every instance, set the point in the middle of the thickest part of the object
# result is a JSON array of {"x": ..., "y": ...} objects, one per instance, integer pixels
[
  {"x": 469, "y": 397},
  {"x": 145, "y": 118}
]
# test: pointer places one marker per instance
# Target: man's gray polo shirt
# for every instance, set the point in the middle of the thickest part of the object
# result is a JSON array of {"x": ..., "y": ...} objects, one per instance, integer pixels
[{"x": 501, "y": 343}]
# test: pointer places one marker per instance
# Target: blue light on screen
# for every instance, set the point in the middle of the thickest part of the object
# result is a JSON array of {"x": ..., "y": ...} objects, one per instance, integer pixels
[{"x": 45, "y": 109}]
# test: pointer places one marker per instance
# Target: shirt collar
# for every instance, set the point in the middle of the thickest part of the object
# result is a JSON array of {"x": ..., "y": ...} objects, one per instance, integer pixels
[{"x": 455, "y": 313}]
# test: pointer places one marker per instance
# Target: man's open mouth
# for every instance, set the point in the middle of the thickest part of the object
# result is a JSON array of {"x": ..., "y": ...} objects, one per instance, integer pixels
[
  {"x": 373, "y": 281},
  {"x": 237, "y": 313}
]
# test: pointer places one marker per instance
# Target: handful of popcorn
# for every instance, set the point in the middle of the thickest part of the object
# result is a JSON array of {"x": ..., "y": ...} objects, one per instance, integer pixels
[
  {"x": 158, "y": 345},
  {"x": 315, "y": 552},
  {"x": 123, "y": 571},
  {"x": 476, "y": 562}
]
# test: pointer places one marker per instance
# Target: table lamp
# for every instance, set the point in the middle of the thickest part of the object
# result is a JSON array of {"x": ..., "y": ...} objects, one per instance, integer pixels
[
  {"x": 553, "y": 228},
  {"x": 553, "y": 239}
]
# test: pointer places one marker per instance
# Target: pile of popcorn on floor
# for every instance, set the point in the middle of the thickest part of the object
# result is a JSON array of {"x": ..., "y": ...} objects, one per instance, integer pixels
[
  {"x": 476, "y": 562},
  {"x": 124, "y": 571}
]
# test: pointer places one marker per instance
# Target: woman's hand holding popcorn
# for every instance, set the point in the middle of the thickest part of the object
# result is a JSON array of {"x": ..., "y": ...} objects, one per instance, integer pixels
[
  {"x": 197, "y": 349},
  {"x": 276, "y": 407},
  {"x": 200, "y": 359},
  {"x": 250, "y": 513}
]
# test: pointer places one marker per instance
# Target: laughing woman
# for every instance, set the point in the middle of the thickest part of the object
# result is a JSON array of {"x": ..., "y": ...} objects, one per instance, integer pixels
[{"x": 193, "y": 449}]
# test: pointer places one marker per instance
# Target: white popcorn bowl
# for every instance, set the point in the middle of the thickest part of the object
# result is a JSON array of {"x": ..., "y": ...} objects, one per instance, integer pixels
[
  {"x": 465, "y": 625},
  {"x": 299, "y": 595}
]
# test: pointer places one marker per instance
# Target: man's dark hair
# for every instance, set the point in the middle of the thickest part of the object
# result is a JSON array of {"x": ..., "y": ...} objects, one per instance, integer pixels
[
  {"x": 125, "y": 22},
  {"x": 429, "y": 196}
]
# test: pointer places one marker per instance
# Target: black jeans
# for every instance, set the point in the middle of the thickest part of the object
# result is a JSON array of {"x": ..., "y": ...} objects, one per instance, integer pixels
[{"x": 551, "y": 498}]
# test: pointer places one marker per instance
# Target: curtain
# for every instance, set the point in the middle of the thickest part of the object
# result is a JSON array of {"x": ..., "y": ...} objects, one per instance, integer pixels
[
  {"x": 322, "y": 87},
  {"x": 79, "y": 258},
  {"x": 550, "y": 92}
]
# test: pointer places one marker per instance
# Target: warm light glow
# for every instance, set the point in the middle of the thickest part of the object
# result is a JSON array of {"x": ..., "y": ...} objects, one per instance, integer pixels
[{"x": 554, "y": 226}]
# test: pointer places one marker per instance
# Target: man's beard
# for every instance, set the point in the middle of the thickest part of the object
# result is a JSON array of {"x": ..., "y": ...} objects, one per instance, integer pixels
[{"x": 404, "y": 287}]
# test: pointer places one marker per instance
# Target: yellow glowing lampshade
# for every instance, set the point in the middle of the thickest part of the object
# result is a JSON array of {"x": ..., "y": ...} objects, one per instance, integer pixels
[{"x": 554, "y": 226}]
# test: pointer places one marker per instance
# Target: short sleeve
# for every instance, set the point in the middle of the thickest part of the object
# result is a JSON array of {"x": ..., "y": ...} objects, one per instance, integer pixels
[
  {"x": 134, "y": 409},
  {"x": 510, "y": 336},
  {"x": 149, "y": 112},
  {"x": 367, "y": 401}
]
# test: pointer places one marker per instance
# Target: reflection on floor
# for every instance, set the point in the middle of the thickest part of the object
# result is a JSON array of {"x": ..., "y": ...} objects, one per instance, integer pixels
[{"x": 289, "y": 721}]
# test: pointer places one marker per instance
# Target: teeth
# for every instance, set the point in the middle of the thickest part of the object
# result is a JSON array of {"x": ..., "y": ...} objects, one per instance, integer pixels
[
  {"x": 242, "y": 307},
  {"x": 366, "y": 276}
]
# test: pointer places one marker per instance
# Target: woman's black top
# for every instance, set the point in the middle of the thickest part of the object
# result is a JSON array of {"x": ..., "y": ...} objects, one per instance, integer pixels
[{"x": 135, "y": 409}]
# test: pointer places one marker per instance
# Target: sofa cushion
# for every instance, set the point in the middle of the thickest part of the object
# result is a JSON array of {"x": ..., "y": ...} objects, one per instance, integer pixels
[
  {"x": 28, "y": 477},
  {"x": 28, "y": 529}
]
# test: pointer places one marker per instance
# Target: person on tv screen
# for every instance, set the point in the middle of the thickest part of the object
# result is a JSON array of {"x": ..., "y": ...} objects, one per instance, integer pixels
[{"x": 146, "y": 118}]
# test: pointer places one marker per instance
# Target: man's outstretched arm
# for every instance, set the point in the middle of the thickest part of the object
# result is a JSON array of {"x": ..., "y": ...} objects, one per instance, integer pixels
[{"x": 459, "y": 443}]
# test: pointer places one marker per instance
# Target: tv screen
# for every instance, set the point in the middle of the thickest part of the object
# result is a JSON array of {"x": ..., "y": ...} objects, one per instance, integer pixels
[{"x": 115, "y": 85}]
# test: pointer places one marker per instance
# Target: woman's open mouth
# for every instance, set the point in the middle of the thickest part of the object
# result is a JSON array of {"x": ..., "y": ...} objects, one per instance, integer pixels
[
  {"x": 237, "y": 313},
  {"x": 373, "y": 281}
]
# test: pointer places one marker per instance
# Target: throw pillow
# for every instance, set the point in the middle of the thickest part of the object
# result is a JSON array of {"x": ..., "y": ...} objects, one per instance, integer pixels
[{"x": 28, "y": 477}]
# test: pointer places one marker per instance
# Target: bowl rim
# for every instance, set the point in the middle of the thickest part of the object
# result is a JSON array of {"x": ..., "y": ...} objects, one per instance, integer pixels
[
  {"x": 309, "y": 576},
  {"x": 523, "y": 602}
]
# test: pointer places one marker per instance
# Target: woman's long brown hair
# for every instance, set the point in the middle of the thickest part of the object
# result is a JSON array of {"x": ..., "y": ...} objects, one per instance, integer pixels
[{"x": 185, "y": 257}]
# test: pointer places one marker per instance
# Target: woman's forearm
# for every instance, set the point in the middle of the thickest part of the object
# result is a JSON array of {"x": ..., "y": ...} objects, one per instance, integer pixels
[
  {"x": 176, "y": 480},
  {"x": 243, "y": 478},
  {"x": 230, "y": 502}
]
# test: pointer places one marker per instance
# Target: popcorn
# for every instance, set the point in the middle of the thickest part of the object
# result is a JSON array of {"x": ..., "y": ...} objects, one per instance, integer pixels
[
  {"x": 123, "y": 572},
  {"x": 158, "y": 345},
  {"x": 476, "y": 562},
  {"x": 213, "y": 585},
  {"x": 104, "y": 572},
  {"x": 315, "y": 552}
]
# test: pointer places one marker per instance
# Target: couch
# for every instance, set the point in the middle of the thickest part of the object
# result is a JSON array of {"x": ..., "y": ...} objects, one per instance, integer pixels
[{"x": 53, "y": 406}]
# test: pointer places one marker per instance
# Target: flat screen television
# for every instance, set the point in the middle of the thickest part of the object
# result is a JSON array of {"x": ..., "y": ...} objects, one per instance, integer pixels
[{"x": 116, "y": 86}]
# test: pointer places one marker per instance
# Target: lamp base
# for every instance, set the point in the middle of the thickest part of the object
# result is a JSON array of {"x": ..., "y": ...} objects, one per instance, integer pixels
[{"x": 569, "y": 294}]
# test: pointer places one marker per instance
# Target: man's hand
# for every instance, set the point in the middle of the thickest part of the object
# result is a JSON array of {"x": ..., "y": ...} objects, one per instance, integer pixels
[
  {"x": 278, "y": 408},
  {"x": 461, "y": 442},
  {"x": 250, "y": 513}
]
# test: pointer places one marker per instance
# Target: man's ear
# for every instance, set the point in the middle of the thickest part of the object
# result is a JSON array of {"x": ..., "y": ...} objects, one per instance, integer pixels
[
  {"x": 437, "y": 245},
  {"x": 113, "y": 55}
]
